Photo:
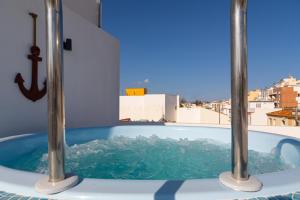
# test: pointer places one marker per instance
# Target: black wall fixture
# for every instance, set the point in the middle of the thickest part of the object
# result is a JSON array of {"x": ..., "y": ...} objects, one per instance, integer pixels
[{"x": 68, "y": 44}]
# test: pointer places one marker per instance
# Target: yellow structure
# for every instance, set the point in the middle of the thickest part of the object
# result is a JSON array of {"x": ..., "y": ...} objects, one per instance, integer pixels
[
  {"x": 135, "y": 91},
  {"x": 253, "y": 95}
]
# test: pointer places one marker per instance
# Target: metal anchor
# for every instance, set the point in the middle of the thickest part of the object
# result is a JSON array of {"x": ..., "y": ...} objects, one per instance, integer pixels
[{"x": 33, "y": 93}]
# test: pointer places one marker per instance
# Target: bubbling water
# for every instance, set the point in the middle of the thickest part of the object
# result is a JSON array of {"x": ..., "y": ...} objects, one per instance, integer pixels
[{"x": 150, "y": 158}]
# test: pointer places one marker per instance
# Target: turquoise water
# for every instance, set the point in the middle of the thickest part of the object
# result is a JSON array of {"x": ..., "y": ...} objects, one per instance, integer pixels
[{"x": 150, "y": 158}]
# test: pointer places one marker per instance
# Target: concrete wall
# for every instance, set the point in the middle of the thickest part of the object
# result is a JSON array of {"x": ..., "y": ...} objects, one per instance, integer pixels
[
  {"x": 152, "y": 107},
  {"x": 91, "y": 70},
  {"x": 201, "y": 115}
]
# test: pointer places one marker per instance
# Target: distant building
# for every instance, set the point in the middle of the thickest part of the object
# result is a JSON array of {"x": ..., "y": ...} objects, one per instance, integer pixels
[
  {"x": 261, "y": 104},
  {"x": 286, "y": 117},
  {"x": 257, "y": 112},
  {"x": 215, "y": 105},
  {"x": 289, "y": 81},
  {"x": 254, "y": 94},
  {"x": 149, "y": 107},
  {"x": 286, "y": 97},
  {"x": 136, "y": 91},
  {"x": 226, "y": 108},
  {"x": 286, "y": 93}
]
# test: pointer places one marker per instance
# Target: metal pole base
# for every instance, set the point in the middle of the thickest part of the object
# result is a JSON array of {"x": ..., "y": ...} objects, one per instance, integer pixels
[
  {"x": 45, "y": 187},
  {"x": 250, "y": 185}
]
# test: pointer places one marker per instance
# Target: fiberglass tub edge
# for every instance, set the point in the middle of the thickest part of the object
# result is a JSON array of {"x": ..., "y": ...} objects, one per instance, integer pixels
[{"x": 21, "y": 182}]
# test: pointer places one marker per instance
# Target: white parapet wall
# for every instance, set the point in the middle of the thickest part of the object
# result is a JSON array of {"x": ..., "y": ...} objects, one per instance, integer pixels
[
  {"x": 150, "y": 107},
  {"x": 201, "y": 115},
  {"x": 88, "y": 9},
  {"x": 91, "y": 70}
]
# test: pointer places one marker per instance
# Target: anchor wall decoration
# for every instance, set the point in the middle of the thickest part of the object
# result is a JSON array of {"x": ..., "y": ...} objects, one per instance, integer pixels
[{"x": 34, "y": 93}]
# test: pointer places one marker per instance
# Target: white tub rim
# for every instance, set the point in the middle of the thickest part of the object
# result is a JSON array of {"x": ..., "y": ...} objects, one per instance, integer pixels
[{"x": 276, "y": 183}]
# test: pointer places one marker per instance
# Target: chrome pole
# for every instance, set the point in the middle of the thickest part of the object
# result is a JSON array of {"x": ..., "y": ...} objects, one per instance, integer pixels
[
  {"x": 57, "y": 180},
  {"x": 238, "y": 178},
  {"x": 56, "y": 109},
  {"x": 239, "y": 90}
]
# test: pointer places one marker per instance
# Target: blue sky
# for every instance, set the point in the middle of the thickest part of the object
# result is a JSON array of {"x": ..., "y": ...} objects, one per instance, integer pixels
[{"x": 182, "y": 47}]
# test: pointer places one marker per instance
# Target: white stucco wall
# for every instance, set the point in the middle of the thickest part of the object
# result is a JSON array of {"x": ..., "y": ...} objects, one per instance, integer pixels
[
  {"x": 171, "y": 105},
  {"x": 212, "y": 117},
  {"x": 151, "y": 107},
  {"x": 188, "y": 115},
  {"x": 91, "y": 70},
  {"x": 259, "y": 116},
  {"x": 154, "y": 107},
  {"x": 200, "y": 115},
  {"x": 87, "y": 9},
  {"x": 261, "y": 104},
  {"x": 132, "y": 107}
]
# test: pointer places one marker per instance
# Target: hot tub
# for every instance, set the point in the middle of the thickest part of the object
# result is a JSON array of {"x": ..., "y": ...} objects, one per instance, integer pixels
[{"x": 151, "y": 162}]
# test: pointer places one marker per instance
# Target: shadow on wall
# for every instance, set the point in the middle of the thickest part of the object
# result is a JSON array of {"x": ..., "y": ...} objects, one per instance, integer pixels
[{"x": 168, "y": 190}]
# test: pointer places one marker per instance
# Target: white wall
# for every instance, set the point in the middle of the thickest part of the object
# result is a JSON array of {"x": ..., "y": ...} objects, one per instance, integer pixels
[
  {"x": 259, "y": 110},
  {"x": 87, "y": 9},
  {"x": 91, "y": 71},
  {"x": 200, "y": 115},
  {"x": 212, "y": 117},
  {"x": 261, "y": 104},
  {"x": 151, "y": 107},
  {"x": 171, "y": 106},
  {"x": 259, "y": 117},
  {"x": 188, "y": 115},
  {"x": 154, "y": 107},
  {"x": 132, "y": 107}
]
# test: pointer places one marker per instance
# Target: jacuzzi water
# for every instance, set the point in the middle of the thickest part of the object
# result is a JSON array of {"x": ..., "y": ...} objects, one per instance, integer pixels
[
  {"x": 113, "y": 154},
  {"x": 148, "y": 158}
]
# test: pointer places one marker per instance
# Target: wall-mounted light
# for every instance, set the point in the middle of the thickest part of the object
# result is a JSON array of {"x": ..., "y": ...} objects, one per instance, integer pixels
[
  {"x": 68, "y": 44},
  {"x": 99, "y": 4}
]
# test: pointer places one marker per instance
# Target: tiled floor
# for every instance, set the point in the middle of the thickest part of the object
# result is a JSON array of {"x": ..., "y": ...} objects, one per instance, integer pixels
[
  {"x": 293, "y": 196},
  {"x": 8, "y": 196}
]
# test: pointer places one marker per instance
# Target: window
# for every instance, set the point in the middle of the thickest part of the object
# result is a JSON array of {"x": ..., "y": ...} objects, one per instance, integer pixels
[
  {"x": 258, "y": 105},
  {"x": 270, "y": 122}
]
